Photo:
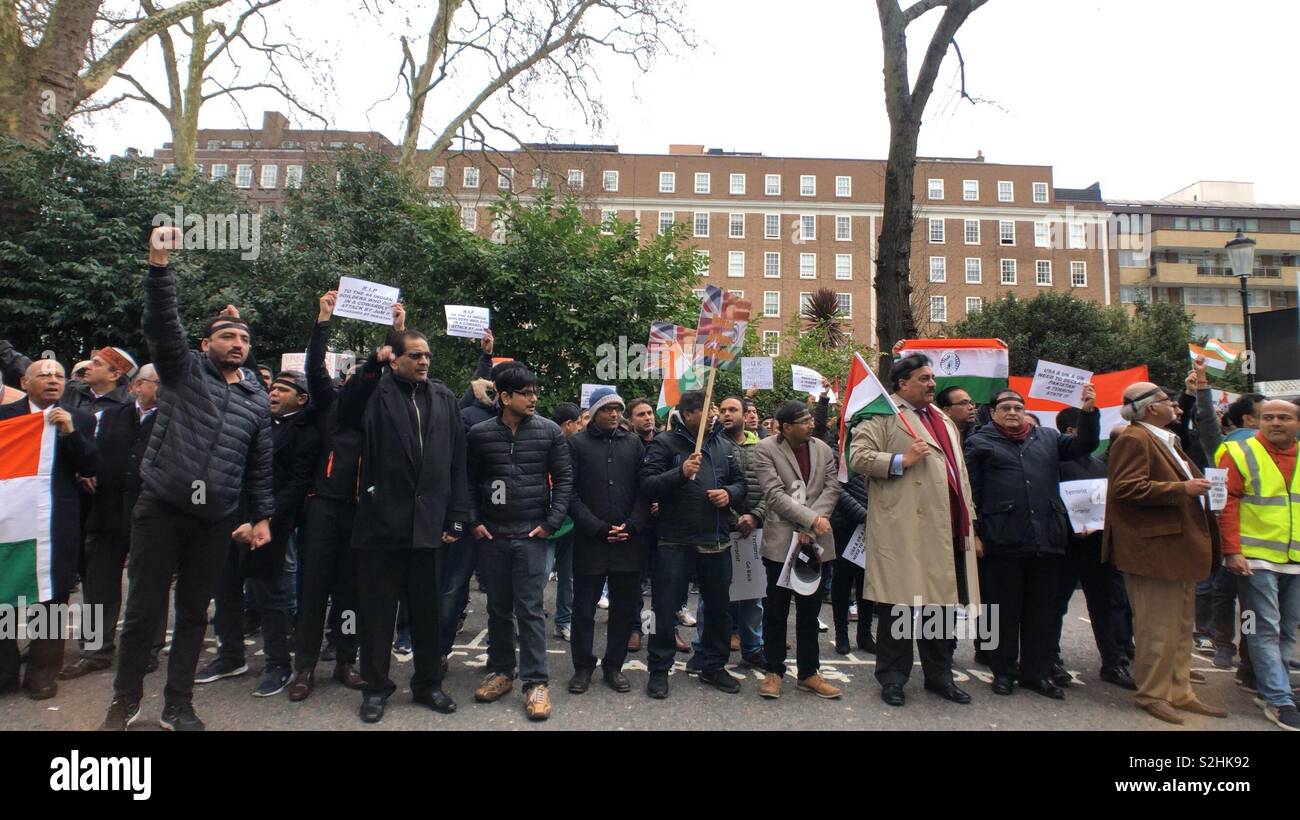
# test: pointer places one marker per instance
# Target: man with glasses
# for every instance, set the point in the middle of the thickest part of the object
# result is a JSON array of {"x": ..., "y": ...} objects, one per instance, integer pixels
[{"x": 957, "y": 405}]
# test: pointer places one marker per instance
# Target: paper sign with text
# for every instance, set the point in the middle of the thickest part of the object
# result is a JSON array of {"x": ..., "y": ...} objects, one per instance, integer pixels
[
  {"x": 1218, "y": 478},
  {"x": 335, "y": 363},
  {"x": 367, "y": 301},
  {"x": 466, "y": 321},
  {"x": 755, "y": 371},
  {"x": 748, "y": 575},
  {"x": 1085, "y": 500},
  {"x": 1059, "y": 382},
  {"x": 856, "y": 550},
  {"x": 587, "y": 390}
]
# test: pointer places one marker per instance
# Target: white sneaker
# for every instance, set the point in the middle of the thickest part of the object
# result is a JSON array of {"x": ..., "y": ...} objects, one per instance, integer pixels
[
  {"x": 603, "y": 603},
  {"x": 685, "y": 618},
  {"x": 822, "y": 627},
  {"x": 853, "y": 612},
  {"x": 563, "y": 632}
]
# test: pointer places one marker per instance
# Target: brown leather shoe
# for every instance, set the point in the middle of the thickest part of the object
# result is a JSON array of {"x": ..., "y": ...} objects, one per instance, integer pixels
[
  {"x": 634, "y": 642},
  {"x": 84, "y": 666},
  {"x": 735, "y": 643},
  {"x": 771, "y": 686},
  {"x": 346, "y": 674},
  {"x": 818, "y": 686},
  {"x": 1196, "y": 677},
  {"x": 537, "y": 702},
  {"x": 682, "y": 645},
  {"x": 1163, "y": 711},
  {"x": 494, "y": 687},
  {"x": 1198, "y": 707},
  {"x": 301, "y": 685}
]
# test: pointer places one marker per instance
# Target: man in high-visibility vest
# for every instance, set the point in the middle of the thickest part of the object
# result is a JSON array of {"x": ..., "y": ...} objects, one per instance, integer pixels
[{"x": 1261, "y": 543}]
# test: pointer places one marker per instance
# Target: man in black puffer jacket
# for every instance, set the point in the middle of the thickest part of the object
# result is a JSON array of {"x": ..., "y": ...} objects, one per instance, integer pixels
[
  {"x": 516, "y": 508},
  {"x": 849, "y": 578},
  {"x": 211, "y": 444}
]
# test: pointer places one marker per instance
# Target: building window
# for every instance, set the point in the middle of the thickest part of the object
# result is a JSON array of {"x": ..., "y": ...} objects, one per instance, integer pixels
[
  {"x": 771, "y": 226},
  {"x": 843, "y": 266},
  {"x": 1043, "y": 272},
  {"x": 1040, "y": 192},
  {"x": 293, "y": 176},
  {"x": 739, "y": 294},
  {"x": 469, "y": 218},
  {"x": 667, "y": 182},
  {"x": 699, "y": 293},
  {"x": 702, "y": 223},
  {"x": 974, "y": 271},
  {"x": 1006, "y": 232},
  {"x": 972, "y": 232},
  {"x": 610, "y": 181},
  {"x": 807, "y": 266},
  {"x": 805, "y": 297},
  {"x": 934, "y": 188},
  {"x": 702, "y": 183},
  {"x": 1008, "y": 271},
  {"x": 470, "y": 178},
  {"x": 607, "y": 220},
  {"x": 1131, "y": 294},
  {"x": 270, "y": 176},
  {"x": 705, "y": 259},
  {"x": 219, "y": 170},
  {"x": 214, "y": 145},
  {"x": 1076, "y": 235},
  {"x": 736, "y": 226},
  {"x": 738, "y": 183},
  {"x": 665, "y": 221},
  {"x": 498, "y": 234},
  {"x": 437, "y": 176},
  {"x": 974, "y": 304},
  {"x": 506, "y": 179},
  {"x": 168, "y": 168},
  {"x": 970, "y": 190},
  {"x": 772, "y": 303},
  {"x": 844, "y": 186},
  {"x": 938, "y": 308},
  {"x": 1133, "y": 259},
  {"x": 736, "y": 263},
  {"x": 843, "y": 229},
  {"x": 1042, "y": 235},
  {"x": 772, "y": 342},
  {"x": 938, "y": 269},
  {"x": 772, "y": 265},
  {"x": 936, "y": 231},
  {"x": 1006, "y": 191},
  {"x": 772, "y": 184},
  {"x": 807, "y": 228},
  {"x": 844, "y": 305},
  {"x": 807, "y": 185},
  {"x": 1078, "y": 274}
]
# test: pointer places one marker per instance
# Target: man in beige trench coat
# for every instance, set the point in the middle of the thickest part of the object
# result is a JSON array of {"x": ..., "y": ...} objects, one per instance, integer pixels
[{"x": 920, "y": 496}]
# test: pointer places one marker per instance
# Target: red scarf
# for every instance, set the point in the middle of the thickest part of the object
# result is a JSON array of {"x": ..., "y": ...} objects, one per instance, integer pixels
[
  {"x": 956, "y": 501},
  {"x": 1017, "y": 436}
]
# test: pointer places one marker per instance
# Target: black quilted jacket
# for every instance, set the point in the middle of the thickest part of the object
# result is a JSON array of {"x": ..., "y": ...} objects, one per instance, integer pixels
[
  {"x": 508, "y": 475},
  {"x": 207, "y": 430}
]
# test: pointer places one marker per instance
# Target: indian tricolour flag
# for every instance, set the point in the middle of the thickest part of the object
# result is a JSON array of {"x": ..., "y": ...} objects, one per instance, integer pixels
[
  {"x": 672, "y": 356},
  {"x": 1110, "y": 398},
  {"x": 864, "y": 396},
  {"x": 978, "y": 366},
  {"x": 26, "y": 464},
  {"x": 1213, "y": 359}
]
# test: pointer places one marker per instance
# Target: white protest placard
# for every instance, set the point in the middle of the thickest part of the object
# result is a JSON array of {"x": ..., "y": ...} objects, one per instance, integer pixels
[
  {"x": 756, "y": 371},
  {"x": 466, "y": 321},
  {"x": 1085, "y": 500},
  {"x": 334, "y": 362},
  {"x": 783, "y": 580},
  {"x": 748, "y": 576},
  {"x": 856, "y": 549},
  {"x": 1059, "y": 382},
  {"x": 806, "y": 380},
  {"x": 587, "y": 390},
  {"x": 1218, "y": 478},
  {"x": 367, "y": 301}
]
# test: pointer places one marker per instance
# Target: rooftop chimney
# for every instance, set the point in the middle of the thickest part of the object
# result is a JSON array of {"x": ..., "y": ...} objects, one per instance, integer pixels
[{"x": 685, "y": 149}]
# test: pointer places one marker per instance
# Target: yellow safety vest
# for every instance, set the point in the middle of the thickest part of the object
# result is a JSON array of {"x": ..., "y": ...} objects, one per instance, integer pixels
[{"x": 1270, "y": 511}]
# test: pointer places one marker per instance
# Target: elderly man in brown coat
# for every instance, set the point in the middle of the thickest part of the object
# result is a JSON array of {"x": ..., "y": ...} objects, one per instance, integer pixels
[
  {"x": 1161, "y": 534},
  {"x": 919, "y": 528}
]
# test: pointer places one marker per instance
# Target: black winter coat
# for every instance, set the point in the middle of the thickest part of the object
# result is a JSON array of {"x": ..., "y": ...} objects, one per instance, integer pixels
[
  {"x": 1017, "y": 486},
  {"x": 121, "y": 439},
  {"x": 686, "y": 515},
  {"x": 297, "y": 452},
  {"x": 411, "y": 490},
  {"x": 335, "y": 474},
  {"x": 850, "y": 510},
  {"x": 78, "y": 395},
  {"x": 521, "y": 480},
  {"x": 605, "y": 494},
  {"x": 207, "y": 429}
]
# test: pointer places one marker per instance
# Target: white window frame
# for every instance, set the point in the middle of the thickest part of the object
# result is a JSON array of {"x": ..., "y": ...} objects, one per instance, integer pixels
[
  {"x": 970, "y": 190},
  {"x": 703, "y": 177},
  {"x": 772, "y": 342},
  {"x": 979, "y": 304},
  {"x": 1002, "y": 233},
  {"x": 697, "y": 222},
  {"x": 667, "y": 182},
  {"x": 843, "y": 267},
  {"x": 734, "y": 221},
  {"x": 606, "y": 217},
  {"x": 772, "y": 184},
  {"x": 469, "y": 177},
  {"x": 940, "y": 316},
  {"x": 843, "y": 186},
  {"x": 438, "y": 176},
  {"x": 805, "y": 296},
  {"x": 1002, "y": 272},
  {"x": 930, "y": 231},
  {"x": 469, "y": 218},
  {"x": 168, "y": 168},
  {"x": 703, "y": 253},
  {"x": 768, "y": 257},
  {"x": 979, "y": 270},
  {"x": 539, "y": 178},
  {"x": 808, "y": 227},
  {"x": 293, "y": 176},
  {"x": 270, "y": 177},
  {"x": 224, "y": 171},
  {"x": 672, "y": 217},
  {"x": 1080, "y": 268},
  {"x": 736, "y": 184},
  {"x": 1040, "y": 188},
  {"x": 698, "y": 292},
  {"x": 966, "y": 233},
  {"x": 807, "y": 185},
  {"x": 1081, "y": 241},
  {"x": 844, "y": 305},
  {"x": 736, "y": 262},
  {"x": 609, "y": 181},
  {"x": 934, "y": 189},
  {"x": 771, "y": 226},
  {"x": 939, "y": 272},
  {"x": 1039, "y": 270},
  {"x": 1042, "y": 235},
  {"x": 1006, "y": 190},
  {"x": 807, "y": 266},
  {"x": 847, "y": 223},
  {"x": 772, "y": 304}
]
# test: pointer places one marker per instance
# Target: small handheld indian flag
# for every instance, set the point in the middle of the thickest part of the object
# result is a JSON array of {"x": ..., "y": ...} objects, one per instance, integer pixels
[
  {"x": 1213, "y": 359},
  {"x": 26, "y": 464},
  {"x": 864, "y": 396}
]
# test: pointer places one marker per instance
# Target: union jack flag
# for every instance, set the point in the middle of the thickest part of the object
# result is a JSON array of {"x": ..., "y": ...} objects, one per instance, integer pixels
[
  {"x": 724, "y": 316},
  {"x": 671, "y": 348}
]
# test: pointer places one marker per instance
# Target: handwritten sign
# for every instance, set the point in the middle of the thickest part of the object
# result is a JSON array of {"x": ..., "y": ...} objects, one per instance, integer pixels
[
  {"x": 748, "y": 576},
  {"x": 367, "y": 301},
  {"x": 335, "y": 363},
  {"x": 856, "y": 550},
  {"x": 806, "y": 380},
  {"x": 756, "y": 372},
  {"x": 1218, "y": 478},
  {"x": 587, "y": 390},
  {"x": 467, "y": 322},
  {"x": 1085, "y": 501},
  {"x": 1059, "y": 383}
]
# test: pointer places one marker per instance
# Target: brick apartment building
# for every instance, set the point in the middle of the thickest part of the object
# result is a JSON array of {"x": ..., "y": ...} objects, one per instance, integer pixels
[{"x": 774, "y": 228}]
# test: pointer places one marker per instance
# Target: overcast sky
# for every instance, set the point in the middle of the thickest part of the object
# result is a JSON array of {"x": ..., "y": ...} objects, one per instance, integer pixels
[{"x": 1145, "y": 96}]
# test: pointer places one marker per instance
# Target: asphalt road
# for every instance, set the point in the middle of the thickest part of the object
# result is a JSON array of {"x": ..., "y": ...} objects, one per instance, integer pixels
[{"x": 1090, "y": 704}]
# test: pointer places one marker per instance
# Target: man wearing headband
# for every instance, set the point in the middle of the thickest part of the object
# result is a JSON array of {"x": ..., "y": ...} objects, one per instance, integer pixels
[
  {"x": 1161, "y": 534},
  {"x": 206, "y": 471}
]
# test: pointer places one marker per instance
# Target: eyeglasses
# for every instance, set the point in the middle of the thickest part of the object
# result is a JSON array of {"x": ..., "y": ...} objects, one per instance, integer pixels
[
  {"x": 966, "y": 403},
  {"x": 1010, "y": 408},
  {"x": 530, "y": 392},
  {"x": 419, "y": 357}
]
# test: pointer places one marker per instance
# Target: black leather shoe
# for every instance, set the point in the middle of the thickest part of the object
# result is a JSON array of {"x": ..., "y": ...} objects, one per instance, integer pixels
[
  {"x": 657, "y": 686},
  {"x": 841, "y": 642},
  {"x": 949, "y": 691},
  {"x": 8, "y": 686},
  {"x": 372, "y": 708},
  {"x": 1045, "y": 688},
  {"x": 84, "y": 666},
  {"x": 865, "y": 642},
  {"x": 1059, "y": 675},
  {"x": 892, "y": 694},
  {"x": 1003, "y": 685},
  {"x": 580, "y": 682},
  {"x": 1120, "y": 676},
  {"x": 346, "y": 674},
  {"x": 45, "y": 692},
  {"x": 437, "y": 700},
  {"x": 721, "y": 680},
  {"x": 616, "y": 680}
]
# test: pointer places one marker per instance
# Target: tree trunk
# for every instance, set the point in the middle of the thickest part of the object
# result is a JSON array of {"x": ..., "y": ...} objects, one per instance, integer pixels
[
  {"x": 894, "y": 320},
  {"x": 38, "y": 85}
]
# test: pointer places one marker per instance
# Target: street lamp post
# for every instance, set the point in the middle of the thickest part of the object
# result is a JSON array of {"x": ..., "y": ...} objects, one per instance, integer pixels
[{"x": 1241, "y": 255}]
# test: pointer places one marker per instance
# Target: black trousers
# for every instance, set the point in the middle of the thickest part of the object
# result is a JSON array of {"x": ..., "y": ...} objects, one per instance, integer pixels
[
  {"x": 268, "y": 600},
  {"x": 102, "y": 582},
  {"x": 849, "y": 583},
  {"x": 894, "y": 649},
  {"x": 384, "y": 576},
  {"x": 624, "y": 615},
  {"x": 673, "y": 569},
  {"x": 167, "y": 541},
  {"x": 1083, "y": 566},
  {"x": 44, "y": 655},
  {"x": 1024, "y": 589},
  {"x": 326, "y": 572},
  {"x": 776, "y": 616}
]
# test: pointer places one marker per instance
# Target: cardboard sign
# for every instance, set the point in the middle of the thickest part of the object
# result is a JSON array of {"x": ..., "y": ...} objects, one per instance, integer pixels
[
  {"x": 1218, "y": 478},
  {"x": 748, "y": 576},
  {"x": 467, "y": 322},
  {"x": 1085, "y": 500},
  {"x": 587, "y": 390},
  {"x": 756, "y": 372},
  {"x": 1060, "y": 383},
  {"x": 367, "y": 301},
  {"x": 856, "y": 549}
]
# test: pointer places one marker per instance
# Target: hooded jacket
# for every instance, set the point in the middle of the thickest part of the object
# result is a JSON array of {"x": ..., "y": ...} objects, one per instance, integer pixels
[{"x": 686, "y": 516}]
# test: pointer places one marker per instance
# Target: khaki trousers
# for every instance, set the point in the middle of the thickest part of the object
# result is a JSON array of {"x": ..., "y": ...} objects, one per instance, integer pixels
[{"x": 1164, "y": 616}]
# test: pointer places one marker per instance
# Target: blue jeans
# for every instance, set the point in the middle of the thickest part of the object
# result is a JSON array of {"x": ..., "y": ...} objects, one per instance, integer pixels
[
  {"x": 458, "y": 567},
  {"x": 1274, "y": 597},
  {"x": 745, "y": 618},
  {"x": 559, "y": 559}
]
